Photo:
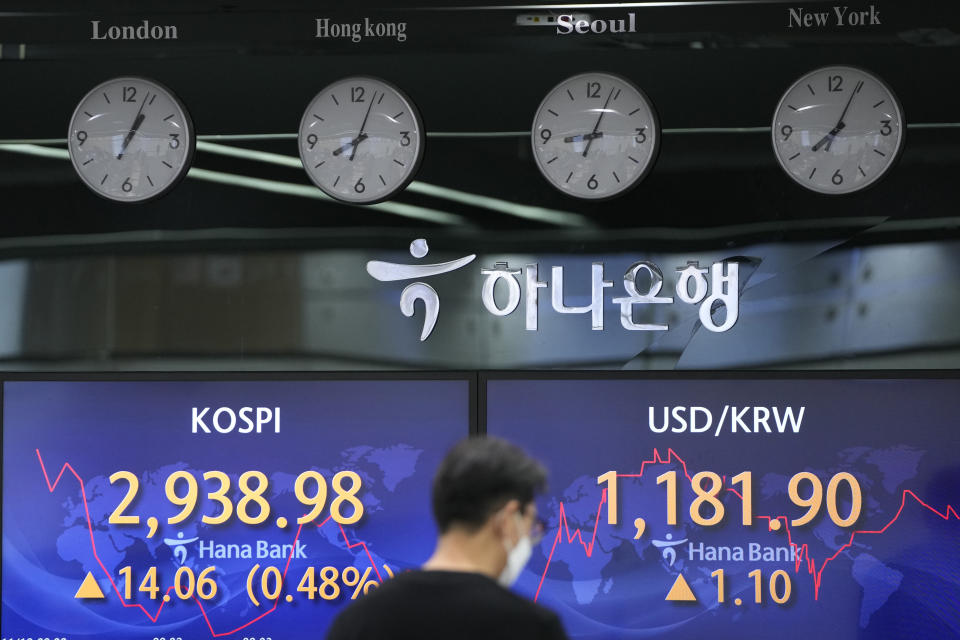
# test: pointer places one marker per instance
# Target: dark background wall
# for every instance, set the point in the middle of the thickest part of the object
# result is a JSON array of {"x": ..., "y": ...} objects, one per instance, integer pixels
[{"x": 261, "y": 273}]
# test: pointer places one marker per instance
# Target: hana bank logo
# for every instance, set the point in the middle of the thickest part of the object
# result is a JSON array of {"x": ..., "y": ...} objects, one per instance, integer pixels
[
  {"x": 716, "y": 289},
  {"x": 391, "y": 271},
  {"x": 667, "y": 548},
  {"x": 179, "y": 547}
]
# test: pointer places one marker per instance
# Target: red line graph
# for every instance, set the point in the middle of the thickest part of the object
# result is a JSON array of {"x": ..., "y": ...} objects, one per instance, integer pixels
[
  {"x": 803, "y": 551},
  {"x": 155, "y": 616}
]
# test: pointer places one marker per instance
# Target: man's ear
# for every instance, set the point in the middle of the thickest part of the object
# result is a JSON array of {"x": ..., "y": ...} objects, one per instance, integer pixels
[{"x": 505, "y": 515}]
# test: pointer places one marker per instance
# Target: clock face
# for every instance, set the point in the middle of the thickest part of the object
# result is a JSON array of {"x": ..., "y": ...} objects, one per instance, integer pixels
[
  {"x": 361, "y": 140},
  {"x": 837, "y": 130},
  {"x": 595, "y": 136},
  {"x": 130, "y": 140}
]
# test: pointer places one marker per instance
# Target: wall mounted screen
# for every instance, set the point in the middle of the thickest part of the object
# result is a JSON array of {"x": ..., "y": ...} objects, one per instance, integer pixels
[
  {"x": 743, "y": 508},
  {"x": 169, "y": 509}
]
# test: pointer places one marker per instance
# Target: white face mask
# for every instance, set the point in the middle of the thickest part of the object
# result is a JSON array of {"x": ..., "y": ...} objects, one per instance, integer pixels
[{"x": 517, "y": 559}]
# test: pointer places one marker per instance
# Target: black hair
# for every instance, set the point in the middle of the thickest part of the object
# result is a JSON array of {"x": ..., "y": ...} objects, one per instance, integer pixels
[{"x": 480, "y": 475}]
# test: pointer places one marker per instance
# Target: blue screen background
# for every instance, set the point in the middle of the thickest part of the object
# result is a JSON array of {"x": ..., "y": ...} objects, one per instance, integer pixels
[
  {"x": 892, "y": 435},
  {"x": 393, "y": 433}
]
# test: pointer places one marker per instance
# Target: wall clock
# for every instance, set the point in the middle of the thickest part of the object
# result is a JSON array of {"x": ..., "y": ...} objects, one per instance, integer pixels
[
  {"x": 131, "y": 139},
  {"x": 838, "y": 130},
  {"x": 361, "y": 140},
  {"x": 595, "y": 136}
]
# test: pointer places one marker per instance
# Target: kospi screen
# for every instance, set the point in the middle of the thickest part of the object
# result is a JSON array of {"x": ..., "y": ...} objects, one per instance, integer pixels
[
  {"x": 743, "y": 508},
  {"x": 199, "y": 509}
]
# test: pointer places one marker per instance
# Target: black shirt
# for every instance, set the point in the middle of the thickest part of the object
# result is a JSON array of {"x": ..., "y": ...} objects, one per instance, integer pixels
[{"x": 434, "y": 605}]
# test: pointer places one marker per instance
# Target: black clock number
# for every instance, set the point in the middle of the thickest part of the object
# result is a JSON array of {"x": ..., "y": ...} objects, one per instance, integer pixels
[
  {"x": 885, "y": 128},
  {"x": 592, "y": 183},
  {"x": 545, "y": 135},
  {"x": 174, "y": 140},
  {"x": 641, "y": 136},
  {"x": 593, "y": 89},
  {"x": 356, "y": 94},
  {"x": 81, "y": 137},
  {"x": 837, "y": 179},
  {"x": 404, "y": 138},
  {"x": 834, "y": 83},
  {"x": 312, "y": 140},
  {"x": 785, "y": 131},
  {"x": 360, "y": 187},
  {"x": 127, "y": 186},
  {"x": 129, "y": 94}
]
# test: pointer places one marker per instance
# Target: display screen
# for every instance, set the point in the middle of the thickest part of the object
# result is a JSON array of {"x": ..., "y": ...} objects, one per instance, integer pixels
[
  {"x": 743, "y": 508},
  {"x": 170, "y": 509}
]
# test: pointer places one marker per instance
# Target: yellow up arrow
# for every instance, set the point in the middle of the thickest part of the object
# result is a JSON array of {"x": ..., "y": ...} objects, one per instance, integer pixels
[
  {"x": 680, "y": 591},
  {"x": 89, "y": 589}
]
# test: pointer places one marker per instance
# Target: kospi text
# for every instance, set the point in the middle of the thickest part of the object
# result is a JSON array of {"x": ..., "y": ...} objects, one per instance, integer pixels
[{"x": 243, "y": 420}]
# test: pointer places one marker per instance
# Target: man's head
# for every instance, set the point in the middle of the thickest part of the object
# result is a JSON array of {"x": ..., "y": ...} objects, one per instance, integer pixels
[
  {"x": 483, "y": 496},
  {"x": 478, "y": 477}
]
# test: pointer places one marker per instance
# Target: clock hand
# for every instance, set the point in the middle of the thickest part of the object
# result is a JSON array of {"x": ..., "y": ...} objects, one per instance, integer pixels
[
  {"x": 597, "y": 126},
  {"x": 828, "y": 139},
  {"x": 350, "y": 144},
  {"x": 840, "y": 122},
  {"x": 832, "y": 138},
  {"x": 362, "y": 135},
  {"x": 585, "y": 136},
  {"x": 137, "y": 121}
]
